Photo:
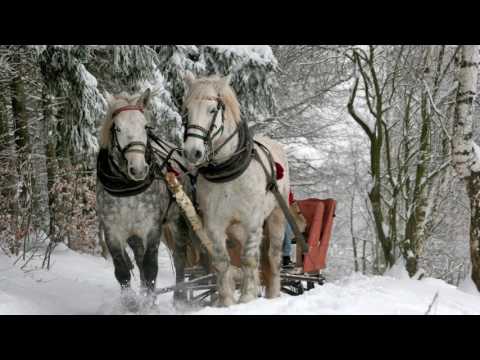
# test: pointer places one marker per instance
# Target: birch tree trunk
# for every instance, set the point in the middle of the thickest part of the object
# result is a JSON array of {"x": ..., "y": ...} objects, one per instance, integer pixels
[{"x": 465, "y": 158}]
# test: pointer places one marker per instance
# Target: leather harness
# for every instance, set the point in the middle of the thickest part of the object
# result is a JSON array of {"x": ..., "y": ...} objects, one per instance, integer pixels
[
  {"x": 238, "y": 163},
  {"x": 114, "y": 180}
]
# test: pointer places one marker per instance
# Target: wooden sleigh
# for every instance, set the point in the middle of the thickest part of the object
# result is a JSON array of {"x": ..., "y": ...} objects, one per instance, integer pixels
[{"x": 199, "y": 286}]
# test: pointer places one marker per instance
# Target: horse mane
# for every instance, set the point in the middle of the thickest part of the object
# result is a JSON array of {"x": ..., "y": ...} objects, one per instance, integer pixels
[
  {"x": 225, "y": 92},
  {"x": 114, "y": 102}
]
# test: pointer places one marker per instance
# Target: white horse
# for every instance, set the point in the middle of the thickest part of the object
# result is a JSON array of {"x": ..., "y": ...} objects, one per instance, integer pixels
[{"x": 232, "y": 186}]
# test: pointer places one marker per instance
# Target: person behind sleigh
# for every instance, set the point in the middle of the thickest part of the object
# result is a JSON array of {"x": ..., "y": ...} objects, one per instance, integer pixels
[{"x": 289, "y": 235}]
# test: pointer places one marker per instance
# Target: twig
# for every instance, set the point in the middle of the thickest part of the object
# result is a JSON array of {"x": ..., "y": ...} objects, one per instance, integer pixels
[{"x": 431, "y": 304}]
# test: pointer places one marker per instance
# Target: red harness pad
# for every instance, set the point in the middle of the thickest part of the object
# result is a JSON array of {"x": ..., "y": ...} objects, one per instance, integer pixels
[{"x": 279, "y": 170}]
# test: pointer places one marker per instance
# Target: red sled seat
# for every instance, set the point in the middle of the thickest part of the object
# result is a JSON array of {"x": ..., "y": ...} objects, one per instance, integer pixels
[{"x": 319, "y": 216}]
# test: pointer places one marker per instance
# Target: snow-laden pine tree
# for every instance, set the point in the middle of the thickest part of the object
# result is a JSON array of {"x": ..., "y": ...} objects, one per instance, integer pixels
[
  {"x": 23, "y": 153},
  {"x": 253, "y": 70},
  {"x": 52, "y": 102},
  {"x": 65, "y": 76}
]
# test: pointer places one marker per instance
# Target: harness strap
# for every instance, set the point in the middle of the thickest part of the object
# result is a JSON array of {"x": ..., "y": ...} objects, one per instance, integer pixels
[
  {"x": 167, "y": 149},
  {"x": 207, "y": 135},
  {"x": 134, "y": 143},
  {"x": 272, "y": 185}
]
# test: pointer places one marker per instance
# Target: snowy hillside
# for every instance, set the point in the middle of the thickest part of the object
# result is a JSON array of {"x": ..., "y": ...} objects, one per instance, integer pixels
[{"x": 85, "y": 284}]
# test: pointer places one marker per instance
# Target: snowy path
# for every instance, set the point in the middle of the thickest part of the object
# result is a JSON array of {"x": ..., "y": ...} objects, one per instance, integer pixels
[{"x": 84, "y": 284}]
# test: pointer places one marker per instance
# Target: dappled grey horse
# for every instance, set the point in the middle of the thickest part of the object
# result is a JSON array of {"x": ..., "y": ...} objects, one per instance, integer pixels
[{"x": 133, "y": 202}]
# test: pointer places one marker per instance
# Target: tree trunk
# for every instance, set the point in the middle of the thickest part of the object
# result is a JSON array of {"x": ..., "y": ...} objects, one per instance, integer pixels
[
  {"x": 19, "y": 108},
  {"x": 473, "y": 187},
  {"x": 352, "y": 232},
  {"x": 415, "y": 229},
  {"x": 22, "y": 147},
  {"x": 41, "y": 216},
  {"x": 375, "y": 195},
  {"x": 51, "y": 155},
  {"x": 4, "y": 131},
  {"x": 466, "y": 159},
  {"x": 376, "y": 142}
]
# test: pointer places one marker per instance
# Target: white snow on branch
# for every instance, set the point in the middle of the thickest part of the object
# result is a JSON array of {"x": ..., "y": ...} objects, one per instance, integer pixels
[{"x": 260, "y": 53}]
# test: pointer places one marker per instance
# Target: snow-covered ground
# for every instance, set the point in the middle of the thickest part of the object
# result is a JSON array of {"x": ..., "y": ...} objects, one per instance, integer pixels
[{"x": 85, "y": 284}]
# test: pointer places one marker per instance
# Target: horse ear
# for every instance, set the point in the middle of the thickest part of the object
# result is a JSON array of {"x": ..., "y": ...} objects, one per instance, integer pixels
[
  {"x": 189, "y": 77},
  {"x": 144, "y": 99}
]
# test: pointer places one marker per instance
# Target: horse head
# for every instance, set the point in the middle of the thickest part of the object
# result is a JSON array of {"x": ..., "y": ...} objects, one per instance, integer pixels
[
  {"x": 125, "y": 133},
  {"x": 210, "y": 105}
]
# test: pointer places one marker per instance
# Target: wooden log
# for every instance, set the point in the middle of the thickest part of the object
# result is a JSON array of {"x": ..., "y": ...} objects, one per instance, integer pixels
[{"x": 189, "y": 211}]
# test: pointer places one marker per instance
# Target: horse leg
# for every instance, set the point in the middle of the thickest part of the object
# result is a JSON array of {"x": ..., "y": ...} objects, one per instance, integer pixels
[
  {"x": 121, "y": 261},
  {"x": 249, "y": 261},
  {"x": 150, "y": 260},
  {"x": 221, "y": 263},
  {"x": 101, "y": 240},
  {"x": 179, "y": 233},
  {"x": 123, "y": 265},
  {"x": 275, "y": 224},
  {"x": 136, "y": 244}
]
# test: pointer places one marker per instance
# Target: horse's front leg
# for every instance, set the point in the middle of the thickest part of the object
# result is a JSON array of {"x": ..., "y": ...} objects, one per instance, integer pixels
[
  {"x": 150, "y": 260},
  {"x": 249, "y": 261},
  {"x": 136, "y": 244},
  {"x": 123, "y": 265},
  {"x": 221, "y": 264},
  {"x": 121, "y": 261},
  {"x": 176, "y": 236}
]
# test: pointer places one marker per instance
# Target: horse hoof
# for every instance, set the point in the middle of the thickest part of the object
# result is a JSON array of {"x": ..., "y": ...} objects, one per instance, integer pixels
[
  {"x": 226, "y": 302},
  {"x": 272, "y": 295},
  {"x": 129, "y": 300},
  {"x": 247, "y": 298},
  {"x": 181, "y": 306}
]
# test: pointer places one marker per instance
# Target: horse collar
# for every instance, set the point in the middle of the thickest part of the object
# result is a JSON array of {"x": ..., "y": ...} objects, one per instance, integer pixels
[{"x": 115, "y": 182}]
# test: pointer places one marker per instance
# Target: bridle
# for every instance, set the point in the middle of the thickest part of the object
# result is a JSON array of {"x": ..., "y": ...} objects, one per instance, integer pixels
[
  {"x": 208, "y": 135},
  {"x": 114, "y": 179},
  {"x": 222, "y": 170},
  {"x": 114, "y": 130}
]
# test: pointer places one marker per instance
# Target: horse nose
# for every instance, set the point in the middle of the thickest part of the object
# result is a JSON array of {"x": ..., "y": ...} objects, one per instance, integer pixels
[
  {"x": 197, "y": 154},
  {"x": 133, "y": 171}
]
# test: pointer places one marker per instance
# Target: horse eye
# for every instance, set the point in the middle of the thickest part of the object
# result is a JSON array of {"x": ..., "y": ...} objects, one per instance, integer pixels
[{"x": 117, "y": 129}]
